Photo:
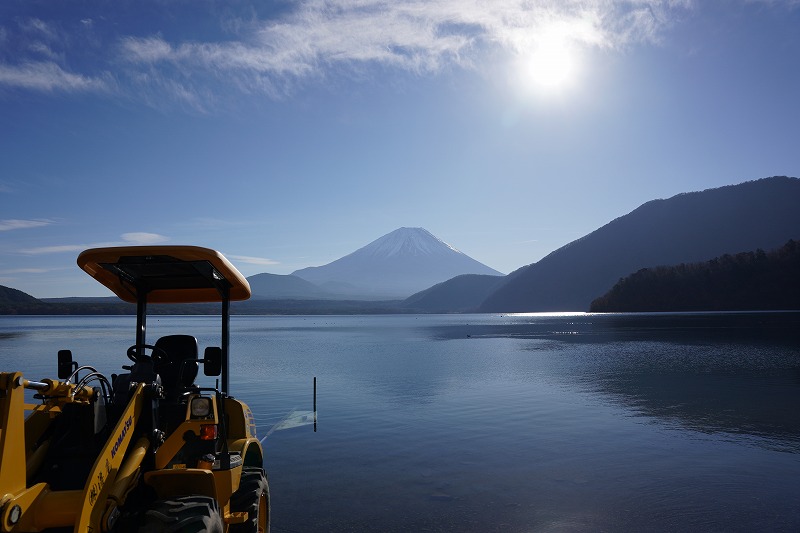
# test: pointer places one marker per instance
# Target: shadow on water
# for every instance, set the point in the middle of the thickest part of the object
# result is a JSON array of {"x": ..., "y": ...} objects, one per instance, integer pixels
[{"x": 736, "y": 373}]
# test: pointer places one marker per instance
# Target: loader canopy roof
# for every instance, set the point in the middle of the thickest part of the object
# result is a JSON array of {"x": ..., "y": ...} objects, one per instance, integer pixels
[{"x": 165, "y": 274}]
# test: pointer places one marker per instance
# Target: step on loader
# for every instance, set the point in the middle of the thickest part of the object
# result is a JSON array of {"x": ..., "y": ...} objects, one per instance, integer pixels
[{"x": 148, "y": 449}]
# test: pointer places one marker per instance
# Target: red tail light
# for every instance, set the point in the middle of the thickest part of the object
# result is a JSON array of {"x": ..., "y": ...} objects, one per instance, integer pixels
[{"x": 208, "y": 432}]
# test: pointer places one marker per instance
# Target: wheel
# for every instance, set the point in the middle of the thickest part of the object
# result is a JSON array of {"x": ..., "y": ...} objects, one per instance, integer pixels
[
  {"x": 158, "y": 353},
  {"x": 252, "y": 497},
  {"x": 187, "y": 514}
]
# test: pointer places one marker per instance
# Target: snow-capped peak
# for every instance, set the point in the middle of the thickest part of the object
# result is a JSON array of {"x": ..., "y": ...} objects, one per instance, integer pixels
[
  {"x": 407, "y": 241},
  {"x": 398, "y": 264}
]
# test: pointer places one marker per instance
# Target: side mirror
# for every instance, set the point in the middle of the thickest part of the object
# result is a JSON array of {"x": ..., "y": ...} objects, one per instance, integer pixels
[
  {"x": 66, "y": 366},
  {"x": 212, "y": 361}
]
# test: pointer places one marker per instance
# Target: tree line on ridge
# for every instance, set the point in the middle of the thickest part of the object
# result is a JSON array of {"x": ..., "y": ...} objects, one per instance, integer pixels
[{"x": 756, "y": 280}]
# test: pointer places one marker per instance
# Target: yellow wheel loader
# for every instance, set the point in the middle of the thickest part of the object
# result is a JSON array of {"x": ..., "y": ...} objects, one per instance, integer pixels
[{"x": 148, "y": 449}]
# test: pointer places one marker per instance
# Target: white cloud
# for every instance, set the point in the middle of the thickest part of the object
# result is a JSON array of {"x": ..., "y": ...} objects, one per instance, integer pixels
[
  {"x": 420, "y": 36},
  {"x": 146, "y": 50},
  {"x": 253, "y": 260},
  {"x": 48, "y": 76},
  {"x": 141, "y": 238},
  {"x": 790, "y": 4},
  {"x": 26, "y": 271},
  {"x": 43, "y": 49},
  {"x": 12, "y": 224},
  {"x": 319, "y": 37},
  {"x": 54, "y": 249},
  {"x": 128, "y": 239},
  {"x": 37, "y": 54},
  {"x": 38, "y": 26}
]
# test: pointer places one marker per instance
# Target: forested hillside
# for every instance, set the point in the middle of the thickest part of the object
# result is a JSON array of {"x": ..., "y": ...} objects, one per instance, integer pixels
[
  {"x": 746, "y": 281},
  {"x": 462, "y": 294},
  {"x": 14, "y": 296}
]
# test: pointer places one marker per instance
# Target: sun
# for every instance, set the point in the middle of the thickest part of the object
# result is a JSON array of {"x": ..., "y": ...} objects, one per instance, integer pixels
[{"x": 551, "y": 64}]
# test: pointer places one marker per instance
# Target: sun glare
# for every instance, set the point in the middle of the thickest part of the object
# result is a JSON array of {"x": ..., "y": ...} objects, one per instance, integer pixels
[{"x": 551, "y": 65}]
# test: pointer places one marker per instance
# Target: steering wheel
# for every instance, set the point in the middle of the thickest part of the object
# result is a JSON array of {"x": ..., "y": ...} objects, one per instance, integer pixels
[{"x": 157, "y": 353}]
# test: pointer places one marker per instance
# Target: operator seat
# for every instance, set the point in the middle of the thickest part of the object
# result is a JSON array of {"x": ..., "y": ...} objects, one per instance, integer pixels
[
  {"x": 178, "y": 369},
  {"x": 140, "y": 372}
]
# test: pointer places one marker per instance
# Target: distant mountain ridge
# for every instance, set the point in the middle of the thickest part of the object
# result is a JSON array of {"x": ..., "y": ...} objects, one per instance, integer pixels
[
  {"x": 461, "y": 294},
  {"x": 686, "y": 228},
  {"x": 14, "y": 296},
  {"x": 279, "y": 287},
  {"x": 397, "y": 265}
]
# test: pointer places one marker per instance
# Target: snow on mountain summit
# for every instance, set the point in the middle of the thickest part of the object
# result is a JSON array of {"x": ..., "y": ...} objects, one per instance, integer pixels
[{"x": 406, "y": 241}]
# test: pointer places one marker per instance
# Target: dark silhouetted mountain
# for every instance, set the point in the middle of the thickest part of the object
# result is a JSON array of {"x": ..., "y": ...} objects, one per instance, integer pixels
[
  {"x": 461, "y": 294},
  {"x": 279, "y": 287},
  {"x": 14, "y": 296},
  {"x": 82, "y": 300},
  {"x": 686, "y": 228},
  {"x": 746, "y": 281},
  {"x": 398, "y": 264},
  {"x": 316, "y": 307},
  {"x": 16, "y": 302}
]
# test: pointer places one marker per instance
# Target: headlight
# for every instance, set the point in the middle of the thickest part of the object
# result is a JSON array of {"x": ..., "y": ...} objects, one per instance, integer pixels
[{"x": 201, "y": 407}]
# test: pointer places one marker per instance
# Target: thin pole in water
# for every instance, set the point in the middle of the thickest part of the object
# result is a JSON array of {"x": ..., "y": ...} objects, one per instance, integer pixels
[{"x": 315, "y": 404}]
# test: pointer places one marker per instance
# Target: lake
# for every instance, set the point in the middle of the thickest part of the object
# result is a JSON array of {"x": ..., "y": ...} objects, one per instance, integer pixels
[{"x": 573, "y": 422}]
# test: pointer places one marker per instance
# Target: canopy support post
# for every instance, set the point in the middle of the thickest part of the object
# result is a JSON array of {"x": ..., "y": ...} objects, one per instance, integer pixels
[
  {"x": 226, "y": 337},
  {"x": 141, "y": 319}
]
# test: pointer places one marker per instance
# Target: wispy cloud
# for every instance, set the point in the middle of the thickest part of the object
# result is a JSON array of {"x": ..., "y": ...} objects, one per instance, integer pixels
[
  {"x": 61, "y": 248},
  {"x": 26, "y": 271},
  {"x": 419, "y": 35},
  {"x": 38, "y": 26},
  {"x": 36, "y": 53},
  {"x": 317, "y": 38},
  {"x": 789, "y": 4},
  {"x": 143, "y": 238},
  {"x": 127, "y": 239},
  {"x": 253, "y": 260},
  {"x": 48, "y": 76},
  {"x": 12, "y": 224}
]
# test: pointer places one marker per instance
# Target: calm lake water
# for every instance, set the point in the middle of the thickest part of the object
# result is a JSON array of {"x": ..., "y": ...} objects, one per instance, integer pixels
[{"x": 685, "y": 422}]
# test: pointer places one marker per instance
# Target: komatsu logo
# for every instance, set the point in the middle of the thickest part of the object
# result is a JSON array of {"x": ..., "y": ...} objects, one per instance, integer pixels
[{"x": 125, "y": 428}]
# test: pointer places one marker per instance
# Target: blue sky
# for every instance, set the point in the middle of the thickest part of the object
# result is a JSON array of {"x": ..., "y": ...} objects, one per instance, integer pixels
[{"x": 289, "y": 133}]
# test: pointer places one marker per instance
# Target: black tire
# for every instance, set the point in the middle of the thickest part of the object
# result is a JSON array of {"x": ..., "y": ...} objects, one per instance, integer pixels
[
  {"x": 187, "y": 514},
  {"x": 253, "y": 498}
]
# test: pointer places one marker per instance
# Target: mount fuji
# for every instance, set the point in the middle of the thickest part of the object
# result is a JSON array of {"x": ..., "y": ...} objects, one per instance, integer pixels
[{"x": 399, "y": 264}]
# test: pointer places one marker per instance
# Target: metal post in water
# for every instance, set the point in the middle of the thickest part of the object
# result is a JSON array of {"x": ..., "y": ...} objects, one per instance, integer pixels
[{"x": 315, "y": 404}]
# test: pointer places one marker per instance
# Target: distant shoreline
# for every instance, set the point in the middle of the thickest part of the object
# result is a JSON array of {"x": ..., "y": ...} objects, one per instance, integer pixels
[{"x": 251, "y": 307}]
